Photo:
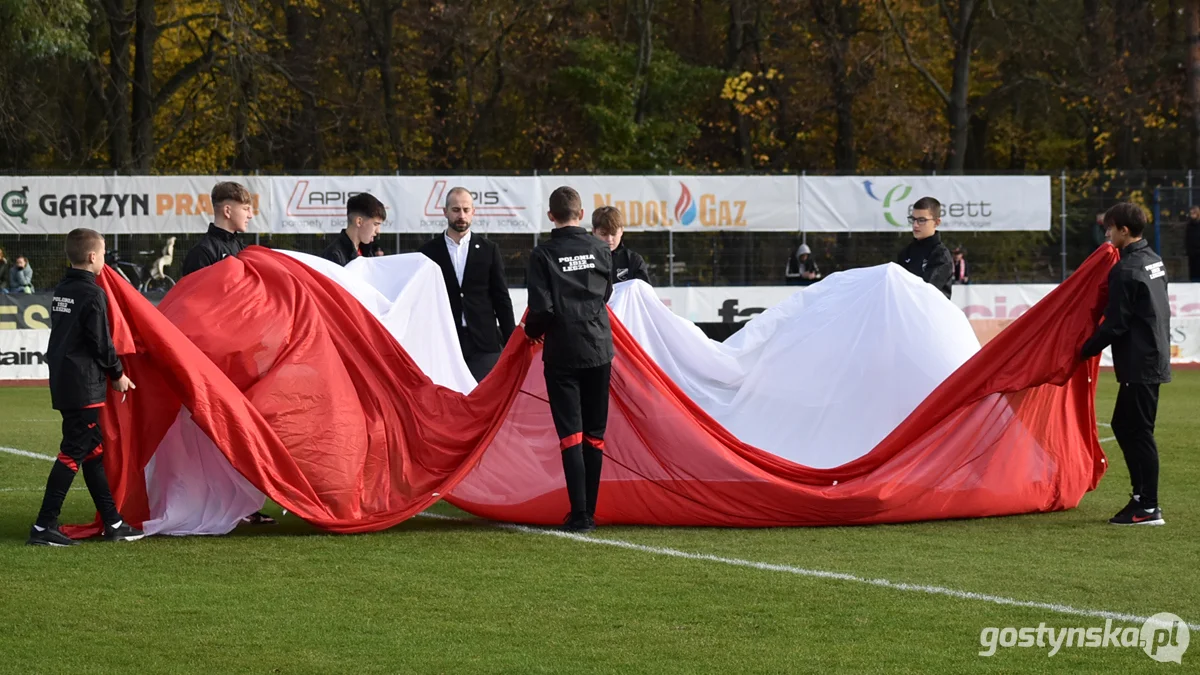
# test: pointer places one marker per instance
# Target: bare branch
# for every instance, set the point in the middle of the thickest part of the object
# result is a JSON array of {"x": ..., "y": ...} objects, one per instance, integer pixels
[
  {"x": 950, "y": 20},
  {"x": 912, "y": 59},
  {"x": 185, "y": 20},
  {"x": 187, "y": 72}
]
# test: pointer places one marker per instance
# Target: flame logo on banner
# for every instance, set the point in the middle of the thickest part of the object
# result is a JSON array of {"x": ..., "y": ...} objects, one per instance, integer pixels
[{"x": 685, "y": 208}]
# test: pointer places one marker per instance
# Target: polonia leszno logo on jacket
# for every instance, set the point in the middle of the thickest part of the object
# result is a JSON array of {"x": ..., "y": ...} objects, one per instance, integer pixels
[{"x": 575, "y": 263}]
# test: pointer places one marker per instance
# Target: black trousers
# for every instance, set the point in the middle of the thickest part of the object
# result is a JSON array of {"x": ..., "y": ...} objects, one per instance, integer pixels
[
  {"x": 81, "y": 447},
  {"x": 479, "y": 363},
  {"x": 579, "y": 406},
  {"x": 1133, "y": 425},
  {"x": 1194, "y": 266}
]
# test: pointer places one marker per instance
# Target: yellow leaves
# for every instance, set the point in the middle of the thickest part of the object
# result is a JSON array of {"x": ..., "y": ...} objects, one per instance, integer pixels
[
  {"x": 740, "y": 91},
  {"x": 1154, "y": 121}
]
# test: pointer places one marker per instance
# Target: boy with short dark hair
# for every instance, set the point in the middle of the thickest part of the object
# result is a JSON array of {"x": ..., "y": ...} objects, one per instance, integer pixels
[
  {"x": 364, "y": 216},
  {"x": 1137, "y": 323},
  {"x": 82, "y": 361},
  {"x": 609, "y": 225},
  {"x": 570, "y": 281},
  {"x": 926, "y": 256},
  {"x": 233, "y": 207}
]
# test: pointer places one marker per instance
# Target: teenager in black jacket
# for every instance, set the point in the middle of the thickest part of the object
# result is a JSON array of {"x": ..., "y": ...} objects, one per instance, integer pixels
[
  {"x": 82, "y": 362},
  {"x": 609, "y": 225},
  {"x": 1137, "y": 323},
  {"x": 926, "y": 256},
  {"x": 364, "y": 217},
  {"x": 233, "y": 207},
  {"x": 570, "y": 281}
]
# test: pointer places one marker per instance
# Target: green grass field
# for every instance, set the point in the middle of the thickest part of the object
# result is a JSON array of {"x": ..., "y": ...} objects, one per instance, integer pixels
[{"x": 458, "y": 595}]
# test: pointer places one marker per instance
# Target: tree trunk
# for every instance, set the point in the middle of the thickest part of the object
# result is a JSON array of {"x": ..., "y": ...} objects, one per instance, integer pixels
[
  {"x": 735, "y": 44},
  {"x": 840, "y": 21},
  {"x": 143, "y": 86},
  {"x": 120, "y": 24},
  {"x": 957, "y": 111},
  {"x": 303, "y": 148},
  {"x": 645, "y": 23},
  {"x": 1193, "y": 33},
  {"x": 442, "y": 43}
]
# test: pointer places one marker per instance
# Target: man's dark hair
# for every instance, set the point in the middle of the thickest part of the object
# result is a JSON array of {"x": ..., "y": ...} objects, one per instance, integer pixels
[
  {"x": 1127, "y": 215},
  {"x": 929, "y": 204},
  {"x": 80, "y": 242},
  {"x": 366, "y": 205},
  {"x": 565, "y": 204}
]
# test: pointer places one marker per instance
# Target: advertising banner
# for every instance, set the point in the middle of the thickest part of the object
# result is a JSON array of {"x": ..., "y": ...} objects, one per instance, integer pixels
[
  {"x": 883, "y": 203},
  {"x": 690, "y": 203},
  {"x": 23, "y": 354},
  {"x": 20, "y": 310},
  {"x": 311, "y": 204},
  {"x": 117, "y": 204}
]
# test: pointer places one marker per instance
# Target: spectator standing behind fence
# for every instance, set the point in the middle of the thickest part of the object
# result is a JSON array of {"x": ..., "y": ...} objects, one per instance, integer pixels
[
  {"x": 960, "y": 274},
  {"x": 801, "y": 269},
  {"x": 473, "y": 271},
  {"x": 20, "y": 276},
  {"x": 4, "y": 267},
  {"x": 1192, "y": 243},
  {"x": 926, "y": 256}
]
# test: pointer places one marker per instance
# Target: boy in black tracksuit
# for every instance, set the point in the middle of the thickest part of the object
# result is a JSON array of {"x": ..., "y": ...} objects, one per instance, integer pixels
[
  {"x": 609, "y": 226},
  {"x": 82, "y": 360},
  {"x": 570, "y": 281},
  {"x": 926, "y": 256},
  {"x": 1137, "y": 323},
  {"x": 233, "y": 207}
]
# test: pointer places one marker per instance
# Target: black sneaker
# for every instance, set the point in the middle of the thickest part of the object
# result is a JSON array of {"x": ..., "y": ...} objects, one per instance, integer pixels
[
  {"x": 51, "y": 536},
  {"x": 1139, "y": 516},
  {"x": 122, "y": 532},
  {"x": 259, "y": 518},
  {"x": 578, "y": 523}
]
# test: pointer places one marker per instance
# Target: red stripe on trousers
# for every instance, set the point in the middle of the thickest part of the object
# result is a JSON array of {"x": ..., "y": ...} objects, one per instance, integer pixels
[
  {"x": 69, "y": 462},
  {"x": 597, "y": 443},
  {"x": 570, "y": 441},
  {"x": 94, "y": 453}
]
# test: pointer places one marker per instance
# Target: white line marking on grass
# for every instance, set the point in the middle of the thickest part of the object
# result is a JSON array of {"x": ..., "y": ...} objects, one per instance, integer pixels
[
  {"x": 820, "y": 574},
  {"x": 21, "y": 489},
  {"x": 26, "y": 453},
  {"x": 1104, "y": 424},
  {"x": 1108, "y": 438}
]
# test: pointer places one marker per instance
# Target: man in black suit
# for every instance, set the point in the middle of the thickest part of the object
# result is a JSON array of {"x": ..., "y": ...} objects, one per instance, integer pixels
[{"x": 474, "y": 275}]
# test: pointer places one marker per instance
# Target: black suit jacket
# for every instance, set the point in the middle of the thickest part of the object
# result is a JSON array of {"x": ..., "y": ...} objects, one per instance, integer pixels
[{"x": 483, "y": 297}]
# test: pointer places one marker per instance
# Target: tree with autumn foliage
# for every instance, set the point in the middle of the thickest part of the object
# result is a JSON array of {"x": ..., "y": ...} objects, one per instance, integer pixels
[{"x": 213, "y": 86}]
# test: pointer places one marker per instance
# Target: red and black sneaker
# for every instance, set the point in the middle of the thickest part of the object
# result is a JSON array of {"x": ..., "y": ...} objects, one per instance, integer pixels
[{"x": 1138, "y": 516}]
